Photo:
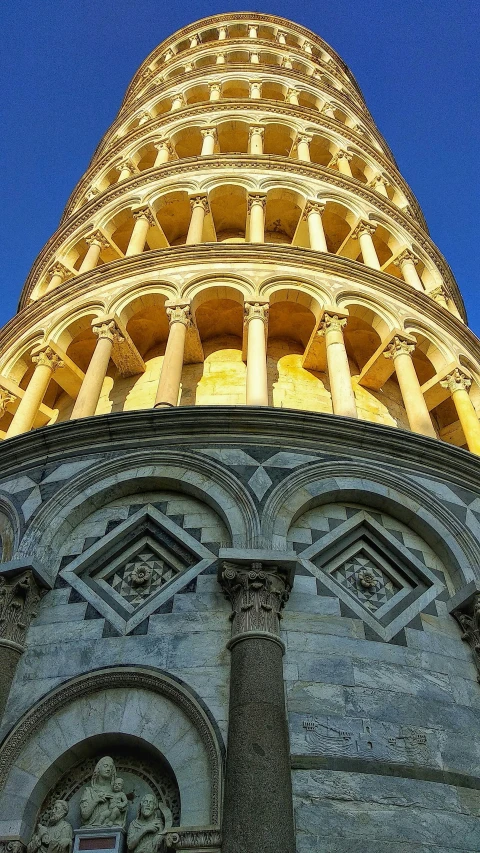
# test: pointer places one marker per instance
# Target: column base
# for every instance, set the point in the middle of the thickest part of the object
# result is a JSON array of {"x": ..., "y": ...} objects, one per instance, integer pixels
[{"x": 164, "y": 406}]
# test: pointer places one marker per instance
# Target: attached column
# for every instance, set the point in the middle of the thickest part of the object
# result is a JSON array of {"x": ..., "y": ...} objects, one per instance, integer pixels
[
  {"x": 457, "y": 383},
  {"x": 199, "y": 206},
  {"x": 215, "y": 91},
  {"x": 258, "y": 809},
  {"x": 407, "y": 261},
  {"x": 96, "y": 242},
  {"x": 89, "y": 394},
  {"x": 255, "y": 89},
  {"x": 164, "y": 151},
  {"x": 342, "y": 160},
  {"x": 46, "y": 363},
  {"x": 20, "y": 594},
  {"x": 303, "y": 146},
  {"x": 256, "y": 208},
  {"x": 343, "y": 398},
  {"x": 417, "y": 412},
  {"x": 255, "y": 140},
  {"x": 363, "y": 233},
  {"x": 312, "y": 213},
  {"x": 144, "y": 219},
  {"x": 209, "y": 136},
  {"x": 171, "y": 374},
  {"x": 256, "y": 319}
]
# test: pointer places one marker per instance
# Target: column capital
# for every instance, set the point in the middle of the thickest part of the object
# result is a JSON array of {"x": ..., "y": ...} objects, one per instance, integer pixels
[
  {"x": 253, "y": 30},
  {"x": 256, "y": 311},
  {"x": 124, "y": 165},
  {"x": 145, "y": 116},
  {"x": 195, "y": 40},
  {"x": 469, "y": 621},
  {"x": 254, "y": 57},
  {"x": 256, "y": 198},
  {"x": 208, "y": 131},
  {"x": 20, "y": 594},
  {"x": 107, "y": 329},
  {"x": 363, "y": 227},
  {"x": 179, "y": 314},
  {"x": 257, "y": 594},
  {"x": 46, "y": 357},
  {"x": 222, "y": 32},
  {"x": 287, "y": 62},
  {"x": 255, "y": 84},
  {"x": 439, "y": 294},
  {"x": 5, "y": 399},
  {"x": 144, "y": 213},
  {"x": 199, "y": 201},
  {"x": 327, "y": 106},
  {"x": 313, "y": 206},
  {"x": 98, "y": 239},
  {"x": 304, "y": 137},
  {"x": 405, "y": 256},
  {"x": 456, "y": 381},
  {"x": 399, "y": 346},
  {"x": 341, "y": 155},
  {"x": 163, "y": 143},
  {"x": 215, "y": 87},
  {"x": 331, "y": 323},
  {"x": 60, "y": 270},
  {"x": 378, "y": 179},
  {"x": 256, "y": 129},
  {"x": 281, "y": 36}
]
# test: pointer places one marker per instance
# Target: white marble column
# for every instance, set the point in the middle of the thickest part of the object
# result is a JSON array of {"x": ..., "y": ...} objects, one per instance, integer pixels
[
  {"x": 343, "y": 398},
  {"x": 125, "y": 170},
  {"x": 457, "y": 383},
  {"x": 342, "y": 160},
  {"x": 144, "y": 219},
  {"x": 215, "y": 91},
  {"x": 380, "y": 183},
  {"x": 312, "y": 213},
  {"x": 91, "y": 388},
  {"x": 407, "y": 261},
  {"x": 292, "y": 97},
  {"x": 199, "y": 207},
  {"x": 164, "y": 151},
  {"x": 255, "y": 140},
  {"x": 96, "y": 242},
  {"x": 256, "y": 319},
  {"x": 256, "y": 208},
  {"x": 363, "y": 233},
  {"x": 178, "y": 102},
  {"x": 58, "y": 274},
  {"x": 171, "y": 374},
  {"x": 255, "y": 89},
  {"x": 400, "y": 350},
  {"x": 209, "y": 137},
  {"x": 303, "y": 146},
  {"x": 46, "y": 362}
]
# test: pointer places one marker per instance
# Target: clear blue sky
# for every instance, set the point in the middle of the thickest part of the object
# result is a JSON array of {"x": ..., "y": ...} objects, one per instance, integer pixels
[{"x": 65, "y": 66}]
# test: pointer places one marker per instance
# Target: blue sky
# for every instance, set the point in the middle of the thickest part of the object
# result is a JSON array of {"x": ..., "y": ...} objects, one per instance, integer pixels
[{"x": 65, "y": 65}]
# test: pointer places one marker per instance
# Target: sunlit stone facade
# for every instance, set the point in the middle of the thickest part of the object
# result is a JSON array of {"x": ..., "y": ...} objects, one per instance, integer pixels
[{"x": 239, "y": 505}]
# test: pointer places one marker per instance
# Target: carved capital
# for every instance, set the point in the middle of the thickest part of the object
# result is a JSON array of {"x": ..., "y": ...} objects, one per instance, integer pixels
[
  {"x": 256, "y": 311},
  {"x": 287, "y": 62},
  {"x": 456, "y": 381},
  {"x": 304, "y": 137},
  {"x": 5, "y": 399},
  {"x": 405, "y": 256},
  {"x": 257, "y": 596},
  {"x": 145, "y": 117},
  {"x": 144, "y": 213},
  {"x": 469, "y": 621},
  {"x": 341, "y": 155},
  {"x": 255, "y": 85},
  {"x": 327, "y": 107},
  {"x": 98, "y": 239},
  {"x": 215, "y": 87},
  {"x": 163, "y": 144},
  {"x": 331, "y": 323},
  {"x": 377, "y": 181},
  {"x": 313, "y": 207},
  {"x": 125, "y": 166},
  {"x": 108, "y": 330},
  {"x": 60, "y": 270},
  {"x": 209, "y": 131},
  {"x": 256, "y": 130},
  {"x": 256, "y": 198},
  {"x": 20, "y": 595},
  {"x": 399, "y": 346},
  {"x": 440, "y": 295},
  {"x": 364, "y": 227},
  {"x": 199, "y": 201},
  {"x": 48, "y": 358},
  {"x": 179, "y": 314}
]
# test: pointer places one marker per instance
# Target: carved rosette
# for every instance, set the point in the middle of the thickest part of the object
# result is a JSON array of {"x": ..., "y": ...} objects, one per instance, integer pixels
[
  {"x": 19, "y": 599},
  {"x": 469, "y": 621},
  {"x": 257, "y": 595}
]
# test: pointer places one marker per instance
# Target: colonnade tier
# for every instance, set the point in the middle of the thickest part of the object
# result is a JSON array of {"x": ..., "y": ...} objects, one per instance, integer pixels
[
  {"x": 342, "y": 358},
  {"x": 284, "y": 135},
  {"x": 376, "y": 234}
]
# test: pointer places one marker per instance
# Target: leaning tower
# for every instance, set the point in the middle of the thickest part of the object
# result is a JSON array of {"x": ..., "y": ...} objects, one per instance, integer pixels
[{"x": 239, "y": 506}]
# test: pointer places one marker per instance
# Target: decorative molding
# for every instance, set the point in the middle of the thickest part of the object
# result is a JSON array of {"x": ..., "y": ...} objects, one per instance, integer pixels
[{"x": 186, "y": 839}]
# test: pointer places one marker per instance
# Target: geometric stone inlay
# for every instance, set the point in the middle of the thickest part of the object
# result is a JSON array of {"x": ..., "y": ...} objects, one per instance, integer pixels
[
  {"x": 131, "y": 571},
  {"x": 374, "y": 575}
]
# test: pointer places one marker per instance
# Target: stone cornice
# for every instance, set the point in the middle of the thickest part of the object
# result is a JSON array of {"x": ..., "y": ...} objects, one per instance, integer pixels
[
  {"x": 235, "y": 17},
  {"x": 280, "y": 256},
  {"x": 230, "y": 71},
  {"x": 266, "y": 163},
  {"x": 262, "y": 105},
  {"x": 186, "y": 426}
]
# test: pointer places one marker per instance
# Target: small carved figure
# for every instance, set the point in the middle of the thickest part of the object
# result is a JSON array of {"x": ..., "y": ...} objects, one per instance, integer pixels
[
  {"x": 96, "y": 798},
  {"x": 57, "y": 836},
  {"x": 145, "y": 833},
  {"x": 117, "y": 813}
]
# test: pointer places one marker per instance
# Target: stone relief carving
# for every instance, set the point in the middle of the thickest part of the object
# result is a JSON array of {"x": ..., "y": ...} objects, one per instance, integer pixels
[
  {"x": 146, "y": 832},
  {"x": 99, "y": 800},
  {"x": 470, "y": 625},
  {"x": 57, "y": 837},
  {"x": 19, "y": 597}
]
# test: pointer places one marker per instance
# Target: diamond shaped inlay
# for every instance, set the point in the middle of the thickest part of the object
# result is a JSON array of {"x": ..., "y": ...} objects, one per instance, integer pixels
[
  {"x": 138, "y": 566},
  {"x": 367, "y": 582}
]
